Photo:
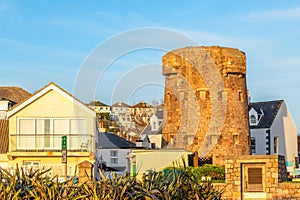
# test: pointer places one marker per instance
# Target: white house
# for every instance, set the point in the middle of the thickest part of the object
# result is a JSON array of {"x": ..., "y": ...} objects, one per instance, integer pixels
[
  {"x": 111, "y": 152},
  {"x": 152, "y": 133},
  {"x": 121, "y": 113},
  {"x": 273, "y": 131}
]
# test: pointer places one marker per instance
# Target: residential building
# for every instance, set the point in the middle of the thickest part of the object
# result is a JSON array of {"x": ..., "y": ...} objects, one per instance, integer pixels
[
  {"x": 103, "y": 114},
  {"x": 36, "y": 127},
  {"x": 151, "y": 136},
  {"x": 111, "y": 153},
  {"x": 4, "y": 143},
  {"x": 298, "y": 146},
  {"x": 10, "y": 96},
  {"x": 99, "y": 107},
  {"x": 121, "y": 114},
  {"x": 273, "y": 131},
  {"x": 142, "y": 112}
]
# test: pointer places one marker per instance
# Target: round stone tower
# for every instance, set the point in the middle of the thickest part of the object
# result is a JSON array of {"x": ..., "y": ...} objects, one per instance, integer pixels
[{"x": 206, "y": 102}]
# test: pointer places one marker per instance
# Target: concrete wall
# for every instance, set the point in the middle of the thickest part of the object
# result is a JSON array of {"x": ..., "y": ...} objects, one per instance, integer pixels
[
  {"x": 51, "y": 160},
  {"x": 156, "y": 160}
]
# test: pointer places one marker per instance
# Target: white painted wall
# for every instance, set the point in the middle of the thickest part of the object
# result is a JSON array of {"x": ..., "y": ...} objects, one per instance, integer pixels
[
  {"x": 260, "y": 136},
  {"x": 4, "y": 105},
  {"x": 122, "y": 153},
  {"x": 285, "y": 128}
]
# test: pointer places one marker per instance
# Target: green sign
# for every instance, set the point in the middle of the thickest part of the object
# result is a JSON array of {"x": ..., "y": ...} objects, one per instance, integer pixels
[{"x": 64, "y": 142}]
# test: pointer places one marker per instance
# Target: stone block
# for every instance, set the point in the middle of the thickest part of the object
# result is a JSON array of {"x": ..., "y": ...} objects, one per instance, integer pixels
[{"x": 274, "y": 175}]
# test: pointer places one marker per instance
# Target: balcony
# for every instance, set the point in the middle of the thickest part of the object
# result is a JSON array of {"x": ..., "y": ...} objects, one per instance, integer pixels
[{"x": 51, "y": 142}]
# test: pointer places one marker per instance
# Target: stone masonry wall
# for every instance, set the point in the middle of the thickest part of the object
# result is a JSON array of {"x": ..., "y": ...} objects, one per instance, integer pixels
[
  {"x": 275, "y": 177},
  {"x": 206, "y": 101}
]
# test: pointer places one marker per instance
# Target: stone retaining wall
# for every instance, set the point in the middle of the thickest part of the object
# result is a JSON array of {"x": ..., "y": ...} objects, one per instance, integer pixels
[{"x": 274, "y": 179}]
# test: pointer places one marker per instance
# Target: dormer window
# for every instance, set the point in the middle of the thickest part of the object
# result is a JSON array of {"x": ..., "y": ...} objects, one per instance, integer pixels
[
  {"x": 154, "y": 123},
  {"x": 253, "y": 117},
  {"x": 253, "y": 120}
]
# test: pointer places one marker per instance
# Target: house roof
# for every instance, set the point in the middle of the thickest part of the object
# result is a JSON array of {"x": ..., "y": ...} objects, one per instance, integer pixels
[
  {"x": 15, "y": 94},
  {"x": 97, "y": 103},
  {"x": 160, "y": 107},
  {"x": 159, "y": 114},
  {"x": 112, "y": 141},
  {"x": 121, "y": 104},
  {"x": 4, "y": 136},
  {"x": 148, "y": 131},
  {"x": 142, "y": 104},
  {"x": 266, "y": 111},
  {"x": 43, "y": 91}
]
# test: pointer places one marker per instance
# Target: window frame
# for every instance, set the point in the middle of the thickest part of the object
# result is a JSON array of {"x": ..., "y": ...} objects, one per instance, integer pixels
[
  {"x": 253, "y": 120},
  {"x": 253, "y": 150},
  {"x": 53, "y": 136},
  {"x": 276, "y": 145},
  {"x": 113, "y": 157}
]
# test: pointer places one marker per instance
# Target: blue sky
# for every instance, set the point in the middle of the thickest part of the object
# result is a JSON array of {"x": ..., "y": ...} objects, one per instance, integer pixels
[{"x": 44, "y": 41}]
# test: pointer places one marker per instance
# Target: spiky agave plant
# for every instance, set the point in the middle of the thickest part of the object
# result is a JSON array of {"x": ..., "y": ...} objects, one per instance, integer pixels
[{"x": 179, "y": 183}]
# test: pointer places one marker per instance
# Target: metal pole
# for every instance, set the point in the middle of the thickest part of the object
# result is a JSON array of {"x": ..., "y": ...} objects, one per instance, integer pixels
[{"x": 66, "y": 170}]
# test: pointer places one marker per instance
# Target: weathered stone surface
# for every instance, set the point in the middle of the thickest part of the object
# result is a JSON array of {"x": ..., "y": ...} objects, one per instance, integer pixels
[
  {"x": 275, "y": 188},
  {"x": 206, "y": 101}
]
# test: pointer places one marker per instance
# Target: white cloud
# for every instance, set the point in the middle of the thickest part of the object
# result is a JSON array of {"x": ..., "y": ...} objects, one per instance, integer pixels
[{"x": 284, "y": 14}]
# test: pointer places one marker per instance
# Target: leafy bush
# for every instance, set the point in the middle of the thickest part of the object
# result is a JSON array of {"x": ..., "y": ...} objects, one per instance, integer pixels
[{"x": 213, "y": 171}]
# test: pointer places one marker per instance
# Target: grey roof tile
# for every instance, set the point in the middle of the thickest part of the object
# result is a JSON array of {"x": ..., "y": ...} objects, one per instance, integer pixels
[{"x": 267, "y": 112}]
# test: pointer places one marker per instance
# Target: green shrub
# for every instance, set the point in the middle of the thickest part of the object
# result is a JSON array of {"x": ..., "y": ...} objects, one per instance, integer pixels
[{"x": 213, "y": 171}]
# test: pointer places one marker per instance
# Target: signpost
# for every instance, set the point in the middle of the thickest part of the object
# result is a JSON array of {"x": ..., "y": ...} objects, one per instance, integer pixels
[
  {"x": 64, "y": 155},
  {"x": 64, "y": 142}
]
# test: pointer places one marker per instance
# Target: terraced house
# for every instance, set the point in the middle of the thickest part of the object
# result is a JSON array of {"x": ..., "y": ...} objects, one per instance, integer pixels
[{"x": 36, "y": 127}]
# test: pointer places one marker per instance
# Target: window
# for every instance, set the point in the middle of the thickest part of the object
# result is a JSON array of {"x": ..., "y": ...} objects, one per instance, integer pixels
[
  {"x": 27, "y": 165},
  {"x": 26, "y": 127},
  {"x": 275, "y": 145},
  {"x": 114, "y": 157},
  {"x": 154, "y": 126},
  {"x": 77, "y": 127},
  {"x": 252, "y": 120},
  {"x": 45, "y": 133},
  {"x": 235, "y": 140},
  {"x": 241, "y": 96},
  {"x": 253, "y": 145}
]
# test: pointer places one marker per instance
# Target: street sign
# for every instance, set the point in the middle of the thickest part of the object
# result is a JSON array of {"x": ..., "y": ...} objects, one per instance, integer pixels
[
  {"x": 64, "y": 142},
  {"x": 64, "y": 156}
]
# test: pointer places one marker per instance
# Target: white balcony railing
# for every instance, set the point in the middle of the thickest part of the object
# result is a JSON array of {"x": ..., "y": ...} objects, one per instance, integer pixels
[{"x": 53, "y": 142}]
